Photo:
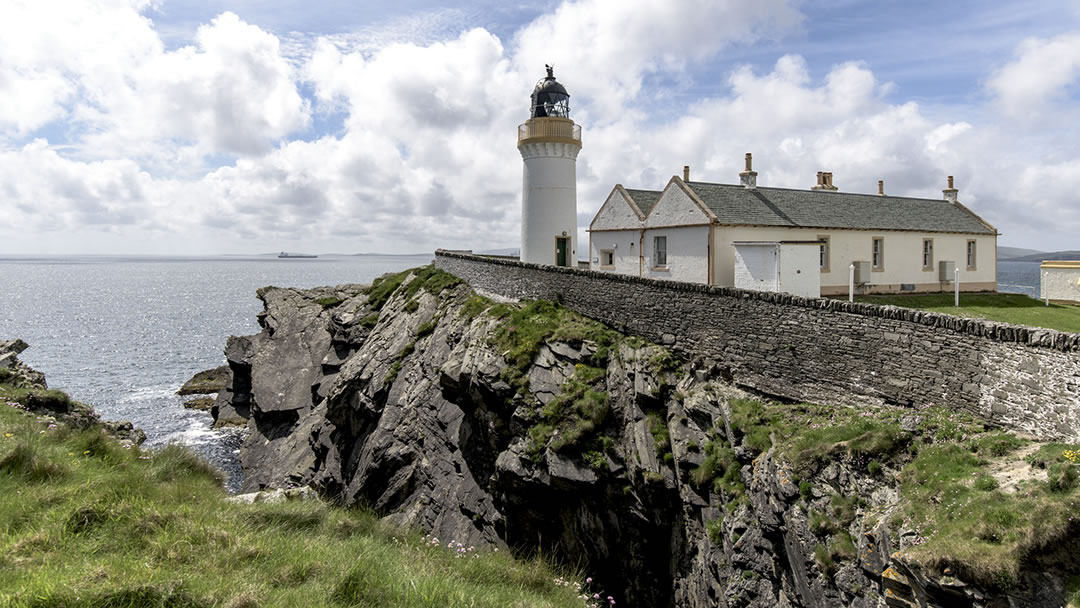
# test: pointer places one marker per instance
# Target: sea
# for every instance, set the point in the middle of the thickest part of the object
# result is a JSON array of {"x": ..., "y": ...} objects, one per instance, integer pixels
[{"x": 123, "y": 333}]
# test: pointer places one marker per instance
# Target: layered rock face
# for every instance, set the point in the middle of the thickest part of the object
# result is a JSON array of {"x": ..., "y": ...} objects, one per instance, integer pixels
[{"x": 405, "y": 403}]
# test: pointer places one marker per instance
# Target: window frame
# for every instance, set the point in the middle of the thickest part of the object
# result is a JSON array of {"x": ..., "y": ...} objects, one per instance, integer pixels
[
  {"x": 928, "y": 255},
  {"x": 604, "y": 255},
  {"x": 824, "y": 253},
  {"x": 971, "y": 254},
  {"x": 657, "y": 250},
  {"x": 877, "y": 257}
]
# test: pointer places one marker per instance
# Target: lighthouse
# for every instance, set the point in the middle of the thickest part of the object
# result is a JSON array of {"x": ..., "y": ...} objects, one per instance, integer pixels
[{"x": 549, "y": 143}]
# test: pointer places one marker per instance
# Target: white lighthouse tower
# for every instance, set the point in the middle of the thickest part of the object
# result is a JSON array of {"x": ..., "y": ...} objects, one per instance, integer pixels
[{"x": 549, "y": 143}]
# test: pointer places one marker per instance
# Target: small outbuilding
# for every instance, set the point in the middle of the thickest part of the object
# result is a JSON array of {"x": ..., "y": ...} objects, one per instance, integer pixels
[
  {"x": 1061, "y": 280},
  {"x": 778, "y": 266}
]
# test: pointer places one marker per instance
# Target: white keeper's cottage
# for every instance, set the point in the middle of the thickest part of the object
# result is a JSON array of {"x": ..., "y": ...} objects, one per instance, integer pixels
[{"x": 744, "y": 235}]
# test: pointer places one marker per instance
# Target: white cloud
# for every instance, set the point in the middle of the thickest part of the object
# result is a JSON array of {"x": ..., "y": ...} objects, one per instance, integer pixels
[
  {"x": 211, "y": 142},
  {"x": 230, "y": 93},
  {"x": 607, "y": 47},
  {"x": 101, "y": 70},
  {"x": 1039, "y": 75},
  {"x": 53, "y": 53},
  {"x": 44, "y": 191}
]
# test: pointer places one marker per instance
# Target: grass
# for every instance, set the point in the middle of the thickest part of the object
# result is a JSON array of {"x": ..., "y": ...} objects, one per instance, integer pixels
[
  {"x": 428, "y": 278},
  {"x": 573, "y": 416},
  {"x": 525, "y": 329},
  {"x": 328, "y": 302},
  {"x": 948, "y": 494},
  {"x": 85, "y": 521},
  {"x": 1018, "y": 309}
]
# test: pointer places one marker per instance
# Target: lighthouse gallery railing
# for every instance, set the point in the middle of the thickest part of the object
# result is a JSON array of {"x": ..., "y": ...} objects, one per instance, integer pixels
[{"x": 551, "y": 129}]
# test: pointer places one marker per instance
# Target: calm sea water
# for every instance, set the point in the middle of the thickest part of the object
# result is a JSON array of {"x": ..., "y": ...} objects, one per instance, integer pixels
[
  {"x": 123, "y": 333},
  {"x": 1019, "y": 277}
]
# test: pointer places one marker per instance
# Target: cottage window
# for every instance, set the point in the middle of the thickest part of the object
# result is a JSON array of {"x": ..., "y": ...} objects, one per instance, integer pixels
[
  {"x": 607, "y": 258},
  {"x": 659, "y": 251},
  {"x": 823, "y": 253},
  {"x": 971, "y": 255},
  {"x": 877, "y": 255},
  {"x": 928, "y": 254}
]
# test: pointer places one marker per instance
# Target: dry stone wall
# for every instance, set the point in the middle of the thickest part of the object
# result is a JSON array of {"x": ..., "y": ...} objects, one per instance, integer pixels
[{"x": 819, "y": 349}]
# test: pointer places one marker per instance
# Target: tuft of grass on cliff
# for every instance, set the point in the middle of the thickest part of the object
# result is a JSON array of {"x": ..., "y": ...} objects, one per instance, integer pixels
[
  {"x": 428, "y": 278},
  {"x": 1017, "y": 309},
  {"x": 88, "y": 521},
  {"x": 945, "y": 465},
  {"x": 573, "y": 420}
]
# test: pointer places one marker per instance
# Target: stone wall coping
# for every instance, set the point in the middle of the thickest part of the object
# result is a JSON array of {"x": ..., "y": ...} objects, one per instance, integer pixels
[{"x": 993, "y": 330}]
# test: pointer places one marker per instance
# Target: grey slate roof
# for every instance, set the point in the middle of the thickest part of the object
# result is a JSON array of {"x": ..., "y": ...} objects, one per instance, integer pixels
[
  {"x": 736, "y": 205},
  {"x": 644, "y": 199}
]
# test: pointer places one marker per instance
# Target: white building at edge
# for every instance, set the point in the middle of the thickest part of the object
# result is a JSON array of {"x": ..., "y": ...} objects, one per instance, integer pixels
[
  {"x": 688, "y": 232},
  {"x": 549, "y": 143},
  {"x": 1060, "y": 280}
]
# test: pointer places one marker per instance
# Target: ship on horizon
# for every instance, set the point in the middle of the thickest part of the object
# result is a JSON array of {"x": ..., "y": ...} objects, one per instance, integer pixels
[{"x": 285, "y": 254}]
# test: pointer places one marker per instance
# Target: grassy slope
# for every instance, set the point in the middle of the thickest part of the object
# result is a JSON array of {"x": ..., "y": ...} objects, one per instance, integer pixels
[
  {"x": 85, "y": 521},
  {"x": 1007, "y": 308},
  {"x": 948, "y": 493}
]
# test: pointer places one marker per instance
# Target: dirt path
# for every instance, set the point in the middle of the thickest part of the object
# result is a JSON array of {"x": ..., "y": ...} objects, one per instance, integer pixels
[{"x": 1011, "y": 469}]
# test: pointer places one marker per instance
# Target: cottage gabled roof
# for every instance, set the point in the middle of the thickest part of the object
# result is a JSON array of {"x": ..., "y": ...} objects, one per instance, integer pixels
[
  {"x": 644, "y": 199},
  {"x": 738, "y": 205}
]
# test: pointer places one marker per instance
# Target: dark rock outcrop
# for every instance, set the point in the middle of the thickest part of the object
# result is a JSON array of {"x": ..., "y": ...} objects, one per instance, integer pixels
[
  {"x": 34, "y": 396},
  {"x": 14, "y": 372},
  {"x": 406, "y": 405},
  {"x": 206, "y": 382}
]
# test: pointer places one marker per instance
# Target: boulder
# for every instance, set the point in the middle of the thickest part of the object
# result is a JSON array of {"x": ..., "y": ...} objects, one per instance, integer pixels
[{"x": 206, "y": 382}]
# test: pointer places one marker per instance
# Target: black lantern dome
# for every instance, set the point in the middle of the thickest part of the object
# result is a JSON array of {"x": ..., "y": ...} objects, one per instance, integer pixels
[{"x": 549, "y": 98}]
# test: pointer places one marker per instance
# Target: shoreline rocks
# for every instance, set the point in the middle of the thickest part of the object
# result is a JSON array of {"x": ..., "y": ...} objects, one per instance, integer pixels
[
  {"x": 36, "y": 397},
  {"x": 206, "y": 382}
]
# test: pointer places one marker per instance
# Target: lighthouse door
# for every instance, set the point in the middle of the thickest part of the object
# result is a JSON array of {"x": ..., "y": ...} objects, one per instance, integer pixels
[{"x": 561, "y": 245}]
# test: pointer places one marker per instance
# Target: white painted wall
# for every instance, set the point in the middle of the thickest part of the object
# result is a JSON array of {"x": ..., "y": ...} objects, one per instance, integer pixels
[
  {"x": 548, "y": 200},
  {"x": 687, "y": 254},
  {"x": 778, "y": 267},
  {"x": 1061, "y": 281},
  {"x": 624, "y": 244},
  {"x": 757, "y": 266},
  {"x": 676, "y": 208},
  {"x": 615, "y": 213},
  {"x": 903, "y": 257}
]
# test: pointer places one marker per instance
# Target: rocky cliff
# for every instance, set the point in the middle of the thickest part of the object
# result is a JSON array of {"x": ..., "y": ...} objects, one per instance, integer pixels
[{"x": 530, "y": 428}]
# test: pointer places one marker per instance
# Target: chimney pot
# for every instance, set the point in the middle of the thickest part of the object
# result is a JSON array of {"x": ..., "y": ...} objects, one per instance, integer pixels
[
  {"x": 824, "y": 180},
  {"x": 950, "y": 192},
  {"x": 748, "y": 178},
  {"x": 686, "y": 173},
  {"x": 881, "y": 187}
]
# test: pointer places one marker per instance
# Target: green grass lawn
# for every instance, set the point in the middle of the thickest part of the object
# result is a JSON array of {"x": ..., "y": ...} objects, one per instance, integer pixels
[
  {"x": 1005, "y": 307},
  {"x": 86, "y": 521}
]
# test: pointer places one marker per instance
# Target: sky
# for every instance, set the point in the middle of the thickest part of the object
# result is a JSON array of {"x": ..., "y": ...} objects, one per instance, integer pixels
[{"x": 213, "y": 126}]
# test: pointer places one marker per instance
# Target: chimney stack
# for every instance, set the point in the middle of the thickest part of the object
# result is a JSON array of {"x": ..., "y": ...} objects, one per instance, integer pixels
[
  {"x": 824, "y": 181},
  {"x": 950, "y": 192},
  {"x": 881, "y": 187},
  {"x": 686, "y": 173},
  {"x": 748, "y": 178}
]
